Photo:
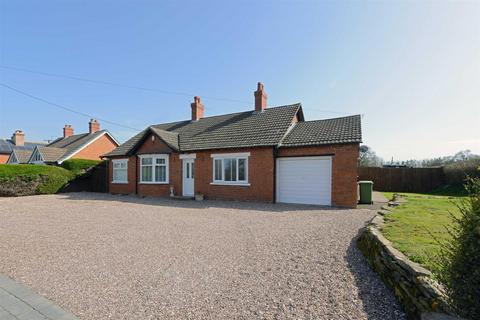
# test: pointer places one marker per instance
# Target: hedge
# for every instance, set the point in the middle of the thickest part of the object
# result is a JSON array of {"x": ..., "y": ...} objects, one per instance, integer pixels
[
  {"x": 28, "y": 179},
  {"x": 79, "y": 166}
]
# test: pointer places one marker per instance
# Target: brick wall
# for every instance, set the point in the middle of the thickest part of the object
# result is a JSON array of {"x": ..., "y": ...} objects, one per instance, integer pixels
[
  {"x": 344, "y": 169},
  {"x": 260, "y": 173},
  {"x": 4, "y": 158},
  {"x": 260, "y": 176},
  {"x": 99, "y": 147}
]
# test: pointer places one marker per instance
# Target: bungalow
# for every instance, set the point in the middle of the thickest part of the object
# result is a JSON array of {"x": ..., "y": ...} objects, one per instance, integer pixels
[
  {"x": 267, "y": 154},
  {"x": 16, "y": 147},
  {"x": 89, "y": 145}
]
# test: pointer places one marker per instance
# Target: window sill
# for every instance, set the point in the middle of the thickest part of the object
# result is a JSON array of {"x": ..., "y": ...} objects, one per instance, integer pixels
[
  {"x": 120, "y": 182},
  {"x": 146, "y": 182},
  {"x": 240, "y": 184}
]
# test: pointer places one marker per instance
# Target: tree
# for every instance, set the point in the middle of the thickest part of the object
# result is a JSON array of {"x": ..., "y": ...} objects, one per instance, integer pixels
[{"x": 368, "y": 157}]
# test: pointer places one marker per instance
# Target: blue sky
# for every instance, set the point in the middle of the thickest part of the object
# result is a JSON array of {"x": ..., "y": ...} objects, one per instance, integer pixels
[{"x": 411, "y": 68}]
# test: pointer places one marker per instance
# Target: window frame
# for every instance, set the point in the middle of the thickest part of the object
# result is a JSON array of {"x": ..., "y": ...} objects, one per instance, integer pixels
[
  {"x": 230, "y": 156},
  {"x": 154, "y": 158},
  {"x": 120, "y": 161}
]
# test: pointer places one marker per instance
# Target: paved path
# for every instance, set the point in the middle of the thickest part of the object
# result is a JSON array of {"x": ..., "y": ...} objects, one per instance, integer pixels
[{"x": 17, "y": 302}]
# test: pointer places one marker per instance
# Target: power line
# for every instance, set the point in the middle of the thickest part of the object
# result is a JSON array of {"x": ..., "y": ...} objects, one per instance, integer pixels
[
  {"x": 178, "y": 93},
  {"x": 66, "y": 108},
  {"x": 114, "y": 84}
]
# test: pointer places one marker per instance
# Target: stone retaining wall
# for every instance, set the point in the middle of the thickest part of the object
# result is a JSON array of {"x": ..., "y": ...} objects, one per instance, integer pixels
[{"x": 411, "y": 283}]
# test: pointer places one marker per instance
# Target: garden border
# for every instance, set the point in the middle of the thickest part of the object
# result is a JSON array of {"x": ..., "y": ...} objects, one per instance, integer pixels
[{"x": 412, "y": 284}]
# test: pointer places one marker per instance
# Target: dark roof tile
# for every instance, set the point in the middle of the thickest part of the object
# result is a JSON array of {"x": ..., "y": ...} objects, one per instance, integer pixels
[{"x": 328, "y": 131}]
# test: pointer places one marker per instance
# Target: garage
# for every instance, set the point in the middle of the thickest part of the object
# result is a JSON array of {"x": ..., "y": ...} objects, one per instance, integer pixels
[{"x": 306, "y": 180}]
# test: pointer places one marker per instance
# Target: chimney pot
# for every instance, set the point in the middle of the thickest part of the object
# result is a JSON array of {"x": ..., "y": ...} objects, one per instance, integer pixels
[
  {"x": 93, "y": 126},
  {"x": 67, "y": 131},
  {"x": 260, "y": 98},
  {"x": 198, "y": 109},
  {"x": 18, "y": 138}
]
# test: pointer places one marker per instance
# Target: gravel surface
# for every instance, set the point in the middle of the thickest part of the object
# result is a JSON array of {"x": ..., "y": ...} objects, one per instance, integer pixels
[{"x": 122, "y": 257}]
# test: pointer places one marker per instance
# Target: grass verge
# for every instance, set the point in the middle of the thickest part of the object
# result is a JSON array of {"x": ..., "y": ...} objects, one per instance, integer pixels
[{"x": 411, "y": 225}]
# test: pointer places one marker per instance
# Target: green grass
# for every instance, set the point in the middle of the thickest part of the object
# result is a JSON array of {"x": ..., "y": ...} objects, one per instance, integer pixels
[{"x": 411, "y": 225}]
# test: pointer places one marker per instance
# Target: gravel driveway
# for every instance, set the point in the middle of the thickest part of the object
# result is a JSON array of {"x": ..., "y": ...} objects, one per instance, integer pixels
[{"x": 121, "y": 257}]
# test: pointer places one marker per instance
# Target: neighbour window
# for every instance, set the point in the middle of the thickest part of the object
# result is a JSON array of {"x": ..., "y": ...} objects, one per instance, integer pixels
[
  {"x": 120, "y": 171},
  {"x": 230, "y": 169},
  {"x": 154, "y": 168}
]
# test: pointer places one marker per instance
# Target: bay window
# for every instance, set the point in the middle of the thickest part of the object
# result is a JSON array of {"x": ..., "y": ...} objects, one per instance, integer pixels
[
  {"x": 154, "y": 168},
  {"x": 120, "y": 171},
  {"x": 230, "y": 168}
]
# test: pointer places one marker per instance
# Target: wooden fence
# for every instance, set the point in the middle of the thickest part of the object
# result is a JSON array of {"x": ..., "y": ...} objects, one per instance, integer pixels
[
  {"x": 96, "y": 180},
  {"x": 403, "y": 179}
]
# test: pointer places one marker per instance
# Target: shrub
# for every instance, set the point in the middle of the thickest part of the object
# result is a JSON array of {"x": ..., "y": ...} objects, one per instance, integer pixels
[
  {"x": 27, "y": 179},
  {"x": 458, "y": 264},
  {"x": 79, "y": 166}
]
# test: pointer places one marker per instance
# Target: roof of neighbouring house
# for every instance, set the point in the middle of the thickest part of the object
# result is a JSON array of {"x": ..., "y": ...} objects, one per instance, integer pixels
[
  {"x": 7, "y": 145},
  {"x": 328, "y": 131},
  {"x": 72, "y": 144},
  {"x": 21, "y": 154},
  {"x": 272, "y": 127},
  {"x": 52, "y": 154}
]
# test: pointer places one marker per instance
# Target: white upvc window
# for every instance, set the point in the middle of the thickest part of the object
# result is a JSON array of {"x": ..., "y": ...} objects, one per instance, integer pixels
[
  {"x": 230, "y": 168},
  {"x": 154, "y": 168},
  {"x": 120, "y": 171}
]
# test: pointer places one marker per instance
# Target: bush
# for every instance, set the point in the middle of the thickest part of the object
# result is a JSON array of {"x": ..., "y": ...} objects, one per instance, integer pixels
[
  {"x": 79, "y": 166},
  {"x": 458, "y": 264},
  {"x": 28, "y": 179}
]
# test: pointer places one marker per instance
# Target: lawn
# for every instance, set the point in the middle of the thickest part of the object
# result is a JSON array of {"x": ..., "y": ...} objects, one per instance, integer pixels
[{"x": 410, "y": 226}]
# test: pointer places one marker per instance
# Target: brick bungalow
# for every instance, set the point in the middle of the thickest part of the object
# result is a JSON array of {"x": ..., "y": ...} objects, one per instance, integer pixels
[
  {"x": 18, "y": 146},
  {"x": 267, "y": 154},
  {"x": 90, "y": 145}
]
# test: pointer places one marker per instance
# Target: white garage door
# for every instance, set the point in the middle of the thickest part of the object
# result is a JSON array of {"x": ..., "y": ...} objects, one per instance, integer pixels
[{"x": 304, "y": 180}]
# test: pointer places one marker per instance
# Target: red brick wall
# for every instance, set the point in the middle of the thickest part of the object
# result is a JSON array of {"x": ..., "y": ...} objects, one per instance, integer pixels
[
  {"x": 260, "y": 173},
  {"x": 344, "y": 169},
  {"x": 260, "y": 176},
  {"x": 4, "y": 158},
  {"x": 123, "y": 188},
  {"x": 99, "y": 147}
]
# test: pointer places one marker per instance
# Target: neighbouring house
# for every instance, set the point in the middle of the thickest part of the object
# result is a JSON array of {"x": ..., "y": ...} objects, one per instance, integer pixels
[
  {"x": 16, "y": 147},
  {"x": 90, "y": 145},
  {"x": 266, "y": 154}
]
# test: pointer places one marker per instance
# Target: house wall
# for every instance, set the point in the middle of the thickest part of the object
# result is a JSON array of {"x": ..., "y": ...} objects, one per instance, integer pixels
[
  {"x": 99, "y": 147},
  {"x": 4, "y": 158},
  {"x": 261, "y": 166},
  {"x": 344, "y": 169},
  {"x": 260, "y": 176}
]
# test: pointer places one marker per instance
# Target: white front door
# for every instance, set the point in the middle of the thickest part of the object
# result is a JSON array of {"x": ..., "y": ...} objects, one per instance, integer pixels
[{"x": 188, "y": 177}]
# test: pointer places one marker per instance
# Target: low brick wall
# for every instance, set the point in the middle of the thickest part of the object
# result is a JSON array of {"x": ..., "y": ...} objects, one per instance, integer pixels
[{"x": 411, "y": 283}]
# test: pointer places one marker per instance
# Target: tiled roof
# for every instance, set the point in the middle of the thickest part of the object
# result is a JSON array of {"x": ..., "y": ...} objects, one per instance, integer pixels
[
  {"x": 74, "y": 143},
  {"x": 51, "y": 154},
  {"x": 329, "y": 131},
  {"x": 170, "y": 138},
  {"x": 22, "y": 155},
  {"x": 236, "y": 130},
  {"x": 7, "y": 145}
]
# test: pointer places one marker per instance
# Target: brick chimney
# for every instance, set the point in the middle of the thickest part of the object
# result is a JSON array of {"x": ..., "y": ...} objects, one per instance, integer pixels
[
  {"x": 197, "y": 109},
  {"x": 18, "y": 138},
  {"x": 260, "y": 98},
  {"x": 67, "y": 131},
  {"x": 93, "y": 126}
]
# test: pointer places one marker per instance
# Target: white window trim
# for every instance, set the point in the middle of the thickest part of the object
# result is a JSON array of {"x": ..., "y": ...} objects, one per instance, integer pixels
[
  {"x": 222, "y": 156},
  {"x": 154, "y": 159},
  {"x": 119, "y": 161},
  {"x": 230, "y": 155},
  {"x": 188, "y": 156}
]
